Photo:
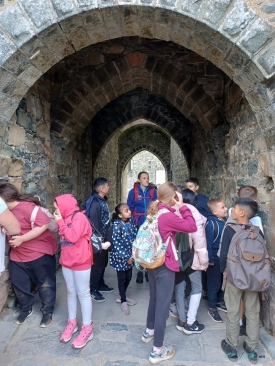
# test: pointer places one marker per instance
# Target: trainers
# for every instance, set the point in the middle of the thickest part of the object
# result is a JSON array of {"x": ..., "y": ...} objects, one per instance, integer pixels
[
  {"x": 146, "y": 276},
  {"x": 180, "y": 325},
  {"x": 21, "y": 318},
  {"x": 221, "y": 306},
  {"x": 214, "y": 315},
  {"x": 70, "y": 329},
  {"x": 166, "y": 353},
  {"x": 195, "y": 328},
  {"x": 146, "y": 337},
  {"x": 105, "y": 288},
  {"x": 130, "y": 302},
  {"x": 252, "y": 355},
  {"x": 173, "y": 311},
  {"x": 85, "y": 335},
  {"x": 139, "y": 277},
  {"x": 125, "y": 308},
  {"x": 46, "y": 320},
  {"x": 229, "y": 351},
  {"x": 96, "y": 296},
  {"x": 243, "y": 330}
]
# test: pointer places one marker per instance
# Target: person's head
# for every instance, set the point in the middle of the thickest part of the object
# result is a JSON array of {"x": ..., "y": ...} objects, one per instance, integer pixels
[
  {"x": 122, "y": 211},
  {"x": 189, "y": 196},
  {"x": 10, "y": 194},
  {"x": 244, "y": 210},
  {"x": 193, "y": 184},
  {"x": 143, "y": 178},
  {"x": 166, "y": 193},
  {"x": 218, "y": 207},
  {"x": 248, "y": 192},
  {"x": 101, "y": 186}
]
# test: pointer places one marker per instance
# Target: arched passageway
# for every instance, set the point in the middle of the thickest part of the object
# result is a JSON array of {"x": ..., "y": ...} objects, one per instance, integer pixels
[{"x": 74, "y": 73}]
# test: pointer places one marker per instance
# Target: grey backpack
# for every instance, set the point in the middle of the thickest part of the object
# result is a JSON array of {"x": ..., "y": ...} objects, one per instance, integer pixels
[{"x": 248, "y": 264}]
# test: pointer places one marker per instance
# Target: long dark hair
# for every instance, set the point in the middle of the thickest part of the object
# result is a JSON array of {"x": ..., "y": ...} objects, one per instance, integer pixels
[
  {"x": 118, "y": 211},
  {"x": 9, "y": 193},
  {"x": 189, "y": 196}
]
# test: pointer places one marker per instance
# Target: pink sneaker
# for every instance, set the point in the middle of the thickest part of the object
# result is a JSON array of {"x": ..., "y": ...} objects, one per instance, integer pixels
[
  {"x": 70, "y": 329},
  {"x": 85, "y": 335}
]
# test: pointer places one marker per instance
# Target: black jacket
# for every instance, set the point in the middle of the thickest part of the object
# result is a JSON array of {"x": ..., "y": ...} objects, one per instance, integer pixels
[{"x": 99, "y": 214}]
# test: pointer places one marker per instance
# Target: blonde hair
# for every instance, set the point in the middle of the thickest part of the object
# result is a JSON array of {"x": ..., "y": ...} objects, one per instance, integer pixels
[
  {"x": 165, "y": 194},
  {"x": 213, "y": 203},
  {"x": 248, "y": 192}
]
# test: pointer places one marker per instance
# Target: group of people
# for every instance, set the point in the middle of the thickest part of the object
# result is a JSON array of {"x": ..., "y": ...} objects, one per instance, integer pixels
[{"x": 183, "y": 210}]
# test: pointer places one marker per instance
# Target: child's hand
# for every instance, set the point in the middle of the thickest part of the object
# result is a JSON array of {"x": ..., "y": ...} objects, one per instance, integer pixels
[
  {"x": 211, "y": 264},
  {"x": 105, "y": 245},
  {"x": 178, "y": 200},
  {"x": 16, "y": 241},
  {"x": 130, "y": 261},
  {"x": 57, "y": 216}
]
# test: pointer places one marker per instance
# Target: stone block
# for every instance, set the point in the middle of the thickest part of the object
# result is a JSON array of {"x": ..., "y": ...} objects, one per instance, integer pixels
[
  {"x": 53, "y": 37},
  {"x": 214, "y": 11},
  {"x": 99, "y": 34},
  {"x": 135, "y": 59},
  {"x": 30, "y": 75},
  {"x": 31, "y": 147},
  {"x": 167, "y": 4},
  {"x": 237, "y": 19},
  {"x": 190, "y": 6},
  {"x": 267, "y": 59},
  {"x": 17, "y": 136},
  {"x": 40, "y": 12},
  {"x": 106, "y": 3},
  {"x": 23, "y": 119},
  {"x": 64, "y": 8},
  {"x": 19, "y": 31},
  {"x": 6, "y": 48},
  {"x": 80, "y": 38},
  {"x": 43, "y": 59},
  {"x": 34, "y": 105},
  {"x": 16, "y": 168},
  {"x": 268, "y": 8},
  {"x": 4, "y": 166},
  {"x": 17, "y": 182},
  {"x": 111, "y": 16},
  {"x": 267, "y": 165},
  {"x": 93, "y": 19},
  {"x": 84, "y": 5}
]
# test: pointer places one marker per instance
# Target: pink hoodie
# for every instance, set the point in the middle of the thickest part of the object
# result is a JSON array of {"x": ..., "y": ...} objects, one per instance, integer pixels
[{"x": 169, "y": 224}]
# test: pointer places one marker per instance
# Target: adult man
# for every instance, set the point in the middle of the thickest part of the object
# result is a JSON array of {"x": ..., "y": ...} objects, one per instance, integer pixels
[{"x": 99, "y": 216}]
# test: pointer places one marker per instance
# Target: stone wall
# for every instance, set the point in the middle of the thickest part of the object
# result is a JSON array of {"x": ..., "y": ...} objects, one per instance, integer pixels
[{"x": 178, "y": 168}]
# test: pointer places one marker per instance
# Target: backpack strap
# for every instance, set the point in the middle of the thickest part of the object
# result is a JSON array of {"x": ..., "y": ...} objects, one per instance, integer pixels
[{"x": 33, "y": 216}]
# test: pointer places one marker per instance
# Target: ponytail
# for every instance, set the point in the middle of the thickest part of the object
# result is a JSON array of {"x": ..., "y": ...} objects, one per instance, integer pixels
[
  {"x": 9, "y": 193},
  {"x": 152, "y": 210}
]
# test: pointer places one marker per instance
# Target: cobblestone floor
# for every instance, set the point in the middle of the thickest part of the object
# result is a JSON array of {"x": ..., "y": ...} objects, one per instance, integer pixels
[{"x": 117, "y": 337}]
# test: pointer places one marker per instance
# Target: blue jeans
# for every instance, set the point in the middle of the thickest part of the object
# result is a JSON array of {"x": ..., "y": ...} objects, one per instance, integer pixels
[{"x": 214, "y": 284}]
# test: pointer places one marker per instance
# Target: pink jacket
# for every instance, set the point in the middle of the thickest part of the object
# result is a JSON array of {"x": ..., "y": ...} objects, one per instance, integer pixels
[
  {"x": 169, "y": 224},
  {"x": 198, "y": 241}
]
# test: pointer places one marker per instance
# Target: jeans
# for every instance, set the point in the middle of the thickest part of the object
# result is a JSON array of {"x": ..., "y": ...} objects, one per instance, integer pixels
[
  {"x": 214, "y": 284},
  {"x": 42, "y": 272},
  {"x": 123, "y": 279}
]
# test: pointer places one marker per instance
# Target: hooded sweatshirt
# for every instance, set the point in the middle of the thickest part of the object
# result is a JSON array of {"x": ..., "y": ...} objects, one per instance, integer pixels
[
  {"x": 138, "y": 205},
  {"x": 75, "y": 232},
  {"x": 213, "y": 243}
]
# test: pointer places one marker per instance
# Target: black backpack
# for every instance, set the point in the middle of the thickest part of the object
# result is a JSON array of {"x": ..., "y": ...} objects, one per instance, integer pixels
[{"x": 185, "y": 253}]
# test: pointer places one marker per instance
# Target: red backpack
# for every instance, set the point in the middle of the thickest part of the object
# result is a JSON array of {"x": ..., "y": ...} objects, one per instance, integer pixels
[{"x": 136, "y": 192}]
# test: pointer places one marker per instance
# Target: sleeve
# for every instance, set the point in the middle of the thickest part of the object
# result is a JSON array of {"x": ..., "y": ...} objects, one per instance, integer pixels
[
  {"x": 73, "y": 233},
  {"x": 119, "y": 241},
  {"x": 173, "y": 223},
  {"x": 155, "y": 194},
  {"x": 3, "y": 206},
  {"x": 226, "y": 240},
  {"x": 130, "y": 200},
  {"x": 94, "y": 215},
  {"x": 209, "y": 232},
  {"x": 200, "y": 246},
  {"x": 41, "y": 219},
  {"x": 257, "y": 221}
]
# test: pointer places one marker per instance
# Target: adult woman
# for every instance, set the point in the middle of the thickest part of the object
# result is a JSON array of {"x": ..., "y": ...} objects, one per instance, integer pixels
[
  {"x": 161, "y": 279},
  {"x": 138, "y": 201},
  {"x": 31, "y": 256}
]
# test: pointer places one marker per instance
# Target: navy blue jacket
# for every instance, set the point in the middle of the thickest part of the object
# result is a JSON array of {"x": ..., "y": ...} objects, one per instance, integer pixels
[
  {"x": 139, "y": 206},
  {"x": 99, "y": 214},
  {"x": 201, "y": 205},
  {"x": 213, "y": 229}
]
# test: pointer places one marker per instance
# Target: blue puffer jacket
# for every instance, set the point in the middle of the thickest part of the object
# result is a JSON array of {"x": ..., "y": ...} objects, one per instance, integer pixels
[
  {"x": 138, "y": 201},
  {"x": 213, "y": 230}
]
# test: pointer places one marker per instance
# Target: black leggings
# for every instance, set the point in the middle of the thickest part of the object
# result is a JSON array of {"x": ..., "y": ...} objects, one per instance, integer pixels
[{"x": 123, "y": 279}]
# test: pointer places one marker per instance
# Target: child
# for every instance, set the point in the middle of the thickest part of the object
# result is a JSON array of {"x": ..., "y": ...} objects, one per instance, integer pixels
[
  {"x": 197, "y": 240},
  {"x": 123, "y": 235},
  {"x": 201, "y": 204},
  {"x": 243, "y": 211},
  {"x": 213, "y": 230},
  {"x": 76, "y": 259},
  {"x": 161, "y": 279}
]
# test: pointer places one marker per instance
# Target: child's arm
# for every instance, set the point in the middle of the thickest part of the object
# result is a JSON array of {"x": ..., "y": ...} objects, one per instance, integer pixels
[
  {"x": 226, "y": 240},
  {"x": 73, "y": 233},
  {"x": 209, "y": 232},
  {"x": 184, "y": 224},
  {"x": 16, "y": 241},
  {"x": 257, "y": 221}
]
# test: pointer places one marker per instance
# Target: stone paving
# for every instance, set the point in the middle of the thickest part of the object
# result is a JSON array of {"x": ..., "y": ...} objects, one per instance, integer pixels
[{"x": 117, "y": 337}]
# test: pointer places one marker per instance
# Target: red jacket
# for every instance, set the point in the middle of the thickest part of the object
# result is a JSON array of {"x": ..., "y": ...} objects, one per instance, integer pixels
[
  {"x": 76, "y": 230},
  {"x": 169, "y": 223}
]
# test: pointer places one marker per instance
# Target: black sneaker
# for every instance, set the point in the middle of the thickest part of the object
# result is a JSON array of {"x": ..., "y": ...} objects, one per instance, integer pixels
[
  {"x": 105, "y": 288},
  {"x": 243, "y": 330},
  {"x": 180, "y": 326},
  {"x": 221, "y": 306},
  {"x": 139, "y": 277},
  {"x": 21, "y": 318},
  {"x": 252, "y": 355},
  {"x": 195, "y": 328},
  {"x": 46, "y": 320},
  {"x": 229, "y": 351},
  {"x": 96, "y": 296},
  {"x": 214, "y": 315},
  {"x": 146, "y": 276}
]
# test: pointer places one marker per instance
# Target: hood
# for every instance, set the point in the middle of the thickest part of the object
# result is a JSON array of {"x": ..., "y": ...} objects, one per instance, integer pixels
[
  {"x": 214, "y": 218},
  {"x": 163, "y": 205},
  {"x": 95, "y": 194},
  {"x": 199, "y": 218},
  {"x": 67, "y": 205}
]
